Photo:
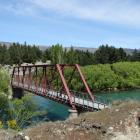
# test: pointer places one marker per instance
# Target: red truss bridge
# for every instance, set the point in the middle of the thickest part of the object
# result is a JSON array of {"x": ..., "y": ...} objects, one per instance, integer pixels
[{"x": 57, "y": 83}]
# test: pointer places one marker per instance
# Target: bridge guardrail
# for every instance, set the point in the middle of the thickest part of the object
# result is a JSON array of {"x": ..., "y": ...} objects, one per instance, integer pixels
[{"x": 98, "y": 99}]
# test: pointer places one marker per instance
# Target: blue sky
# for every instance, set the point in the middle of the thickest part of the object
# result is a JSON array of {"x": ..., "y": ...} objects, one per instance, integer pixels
[{"x": 85, "y": 23}]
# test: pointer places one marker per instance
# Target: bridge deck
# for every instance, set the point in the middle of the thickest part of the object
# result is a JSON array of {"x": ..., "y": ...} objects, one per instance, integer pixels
[{"x": 80, "y": 102}]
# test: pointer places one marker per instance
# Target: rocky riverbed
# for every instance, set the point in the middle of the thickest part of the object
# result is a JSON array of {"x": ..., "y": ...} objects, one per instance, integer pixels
[{"x": 120, "y": 122}]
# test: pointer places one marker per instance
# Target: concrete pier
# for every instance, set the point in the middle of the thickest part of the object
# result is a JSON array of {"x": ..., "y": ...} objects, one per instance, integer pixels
[
  {"x": 73, "y": 114},
  {"x": 17, "y": 92}
]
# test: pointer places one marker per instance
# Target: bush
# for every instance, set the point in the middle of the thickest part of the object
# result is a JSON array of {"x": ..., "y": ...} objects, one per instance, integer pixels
[
  {"x": 129, "y": 73},
  {"x": 119, "y": 75},
  {"x": 12, "y": 124},
  {"x": 23, "y": 110},
  {"x": 100, "y": 77},
  {"x": 1, "y": 125},
  {"x": 4, "y": 107},
  {"x": 4, "y": 81},
  {"x": 14, "y": 113}
]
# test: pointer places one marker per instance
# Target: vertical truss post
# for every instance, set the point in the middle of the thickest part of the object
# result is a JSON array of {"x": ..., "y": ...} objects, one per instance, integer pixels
[
  {"x": 36, "y": 86},
  {"x": 43, "y": 81},
  {"x": 12, "y": 78},
  {"x": 29, "y": 81},
  {"x": 45, "y": 78},
  {"x": 18, "y": 76},
  {"x": 23, "y": 76}
]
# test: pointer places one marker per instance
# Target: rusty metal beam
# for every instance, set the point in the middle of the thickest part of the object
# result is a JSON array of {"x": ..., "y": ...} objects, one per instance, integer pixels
[
  {"x": 84, "y": 82},
  {"x": 65, "y": 85}
]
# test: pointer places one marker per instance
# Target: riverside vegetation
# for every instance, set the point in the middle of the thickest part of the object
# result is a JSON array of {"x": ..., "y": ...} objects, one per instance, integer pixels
[
  {"x": 121, "y": 75},
  {"x": 102, "y": 77},
  {"x": 14, "y": 113}
]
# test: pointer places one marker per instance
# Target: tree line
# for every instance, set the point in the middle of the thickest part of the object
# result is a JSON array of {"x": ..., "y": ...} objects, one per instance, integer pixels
[{"x": 20, "y": 53}]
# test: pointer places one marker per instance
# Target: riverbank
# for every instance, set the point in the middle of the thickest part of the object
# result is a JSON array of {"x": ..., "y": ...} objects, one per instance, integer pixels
[
  {"x": 122, "y": 121},
  {"x": 113, "y": 77},
  {"x": 99, "y": 125}
]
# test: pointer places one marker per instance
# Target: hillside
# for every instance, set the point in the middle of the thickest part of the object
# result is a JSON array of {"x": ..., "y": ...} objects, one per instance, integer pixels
[{"x": 92, "y": 50}]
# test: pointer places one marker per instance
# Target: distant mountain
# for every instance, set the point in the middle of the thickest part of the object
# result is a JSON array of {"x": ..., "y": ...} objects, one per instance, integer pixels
[
  {"x": 129, "y": 51},
  {"x": 6, "y": 43},
  {"x": 92, "y": 50},
  {"x": 43, "y": 47}
]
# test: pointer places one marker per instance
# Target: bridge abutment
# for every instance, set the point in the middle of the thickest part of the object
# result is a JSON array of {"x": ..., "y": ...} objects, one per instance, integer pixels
[
  {"x": 72, "y": 113},
  {"x": 17, "y": 92}
]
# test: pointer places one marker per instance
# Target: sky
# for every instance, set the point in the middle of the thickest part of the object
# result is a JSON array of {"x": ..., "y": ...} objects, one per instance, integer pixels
[{"x": 82, "y": 23}]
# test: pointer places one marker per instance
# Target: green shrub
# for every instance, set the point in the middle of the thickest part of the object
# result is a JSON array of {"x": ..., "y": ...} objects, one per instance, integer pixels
[
  {"x": 4, "y": 81},
  {"x": 23, "y": 110},
  {"x": 12, "y": 124},
  {"x": 129, "y": 73},
  {"x": 100, "y": 77},
  {"x": 119, "y": 75}
]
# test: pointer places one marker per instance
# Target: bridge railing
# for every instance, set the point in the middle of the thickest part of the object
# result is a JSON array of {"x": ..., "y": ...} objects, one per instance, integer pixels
[
  {"x": 85, "y": 96},
  {"x": 79, "y": 98}
]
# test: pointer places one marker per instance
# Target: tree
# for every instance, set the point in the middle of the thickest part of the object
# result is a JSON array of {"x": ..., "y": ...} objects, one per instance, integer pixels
[
  {"x": 71, "y": 57},
  {"x": 24, "y": 53},
  {"x": 4, "y": 55},
  {"x": 56, "y": 54},
  {"x": 4, "y": 82},
  {"x": 15, "y": 53},
  {"x": 46, "y": 55},
  {"x": 109, "y": 54},
  {"x": 121, "y": 54},
  {"x": 136, "y": 55},
  {"x": 4, "y": 108},
  {"x": 85, "y": 58}
]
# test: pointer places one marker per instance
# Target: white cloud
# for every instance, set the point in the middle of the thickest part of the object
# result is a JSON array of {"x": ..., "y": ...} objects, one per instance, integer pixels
[
  {"x": 18, "y": 8},
  {"x": 126, "y": 12}
]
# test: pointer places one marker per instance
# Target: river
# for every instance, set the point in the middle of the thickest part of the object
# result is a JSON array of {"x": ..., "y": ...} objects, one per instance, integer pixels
[{"x": 56, "y": 111}]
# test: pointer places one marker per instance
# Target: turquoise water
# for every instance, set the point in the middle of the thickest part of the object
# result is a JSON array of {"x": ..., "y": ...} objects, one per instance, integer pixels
[
  {"x": 56, "y": 111},
  {"x": 121, "y": 95}
]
